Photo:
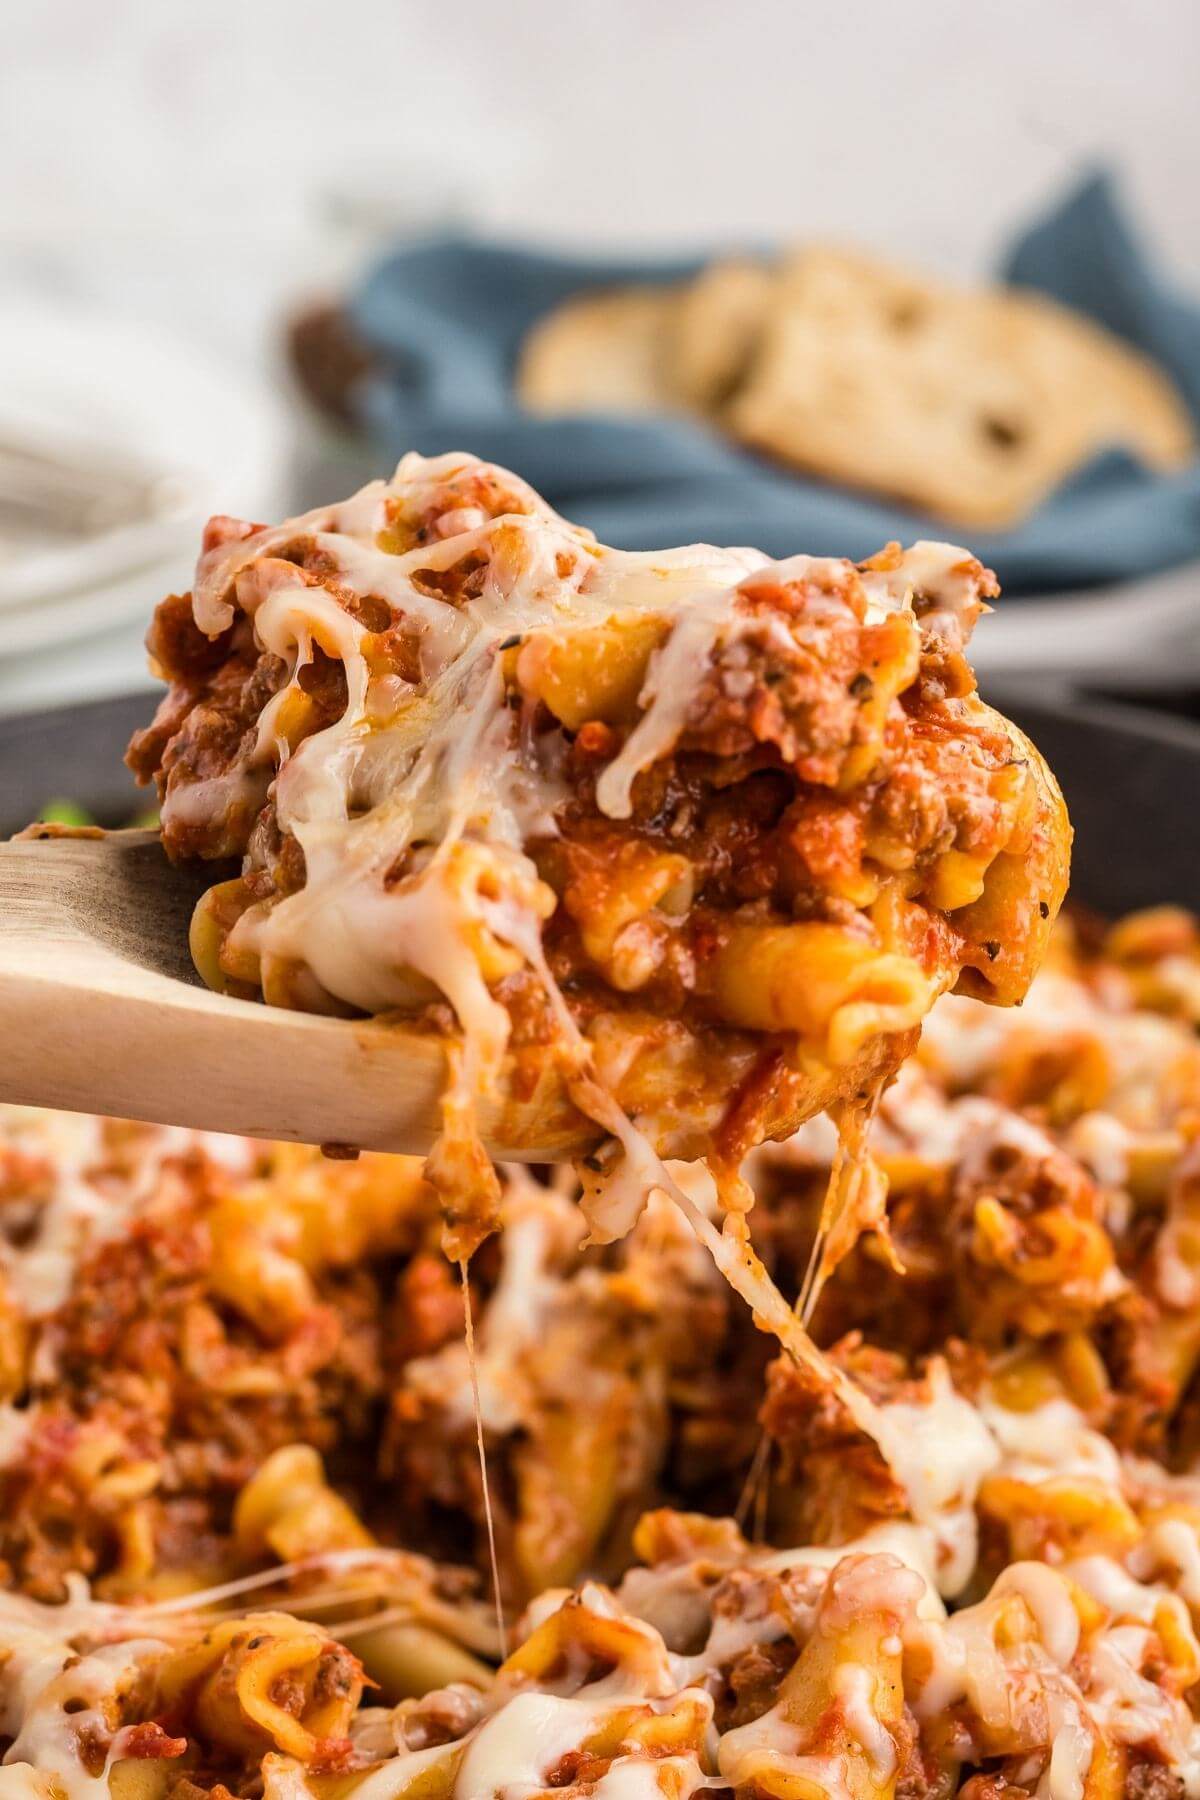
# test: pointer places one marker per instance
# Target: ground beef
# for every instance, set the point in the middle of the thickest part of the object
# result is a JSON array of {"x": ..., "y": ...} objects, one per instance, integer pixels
[{"x": 1150, "y": 1781}]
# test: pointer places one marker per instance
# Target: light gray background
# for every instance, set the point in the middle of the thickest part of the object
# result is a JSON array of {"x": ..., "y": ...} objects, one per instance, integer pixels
[
  {"x": 187, "y": 156},
  {"x": 203, "y": 165}
]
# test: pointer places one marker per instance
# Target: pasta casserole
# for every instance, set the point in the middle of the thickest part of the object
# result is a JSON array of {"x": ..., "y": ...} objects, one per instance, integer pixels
[
  {"x": 672, "y": 849},
  {"x": 244, "y": 1528}
]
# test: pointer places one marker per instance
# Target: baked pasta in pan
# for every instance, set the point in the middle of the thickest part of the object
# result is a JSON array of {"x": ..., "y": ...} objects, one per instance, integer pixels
[
  {"x": 684, "y": 838},
  {"x": 719, "y": 1665},
  {"x": 219, "y": 1354},
  {"x": 240, "y": 1481}
]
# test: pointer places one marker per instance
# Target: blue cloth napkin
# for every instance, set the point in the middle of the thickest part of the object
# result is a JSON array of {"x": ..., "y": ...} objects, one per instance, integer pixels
[{"x": 447, "y": 317}]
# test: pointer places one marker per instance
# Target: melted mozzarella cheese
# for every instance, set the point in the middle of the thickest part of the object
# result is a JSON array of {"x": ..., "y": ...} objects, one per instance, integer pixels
[
  {"x": 854, "y": 1688},
  {"x": 633, "y": 1778},
  {"x": 1051, "y": 1440},
  {"x": 913, "y": 1545},
  {"x": 940, "y": 1449},
  {"x": 772, "y": 1745},
  {"x": 88, "y": 1200},
  {"x": 52, "y": 1699},
  {"x": 676, "y": 671}
]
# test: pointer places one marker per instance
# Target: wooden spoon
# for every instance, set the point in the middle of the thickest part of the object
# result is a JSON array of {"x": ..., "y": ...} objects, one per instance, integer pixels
[{"x": 102, "y": 1012}]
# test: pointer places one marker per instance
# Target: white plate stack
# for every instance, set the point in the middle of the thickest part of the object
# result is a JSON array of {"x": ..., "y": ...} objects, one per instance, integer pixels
[{"x": 116, "y": 443}]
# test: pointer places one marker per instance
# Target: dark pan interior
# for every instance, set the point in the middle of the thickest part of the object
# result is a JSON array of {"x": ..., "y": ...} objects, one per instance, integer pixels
[
  {"x": 72, "y": 754},
  {"x": 1132, "y": 785},
  {"x": 1132, "y": 781}
]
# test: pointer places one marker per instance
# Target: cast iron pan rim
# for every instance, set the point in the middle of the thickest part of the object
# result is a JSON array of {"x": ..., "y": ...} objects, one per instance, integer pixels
[{"x": 1124, "y": 716}]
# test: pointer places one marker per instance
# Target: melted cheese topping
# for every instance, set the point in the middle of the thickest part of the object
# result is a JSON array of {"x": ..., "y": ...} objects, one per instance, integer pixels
[
  {"x": 413, "y": 807},
  {"x": 940, "y": 1450},
  {"x": 438, "y": 771},
  {"x": 84, "y": 1191}
]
